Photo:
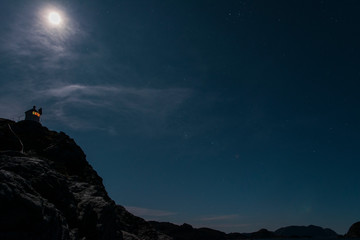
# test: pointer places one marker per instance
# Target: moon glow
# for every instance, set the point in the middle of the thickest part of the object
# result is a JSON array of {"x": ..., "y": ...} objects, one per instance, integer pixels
[{"x": 54, "y": 18}]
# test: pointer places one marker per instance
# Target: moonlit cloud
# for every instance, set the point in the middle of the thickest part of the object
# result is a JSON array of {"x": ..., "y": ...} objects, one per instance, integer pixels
[
  {"x": 96, "y": 103},
  {"x": 131, "y": 105},
  {"x": 138, "y": 99},
  {"x": 47, "y": 60},
  {"x": 35, "y": 44},
  {"x": 72, "y": 89},
  {"x": 65, "y": 73}
]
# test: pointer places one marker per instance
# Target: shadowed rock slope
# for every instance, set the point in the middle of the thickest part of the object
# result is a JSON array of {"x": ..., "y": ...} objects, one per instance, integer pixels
[
  {"x": 49, "y": 191},
  {"x": 354, "y": 231}
]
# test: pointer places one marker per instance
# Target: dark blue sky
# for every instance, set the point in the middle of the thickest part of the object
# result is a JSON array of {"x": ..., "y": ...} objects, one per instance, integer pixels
[{"x": 235, "y": 115}]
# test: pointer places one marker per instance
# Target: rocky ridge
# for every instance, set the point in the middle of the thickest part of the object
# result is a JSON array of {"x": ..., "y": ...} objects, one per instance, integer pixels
[
  {"x": 306, "y": 231},
  {"x": 49, "y": 191}
]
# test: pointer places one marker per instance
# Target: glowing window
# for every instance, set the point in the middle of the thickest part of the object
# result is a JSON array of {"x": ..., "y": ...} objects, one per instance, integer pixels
[{"x": 36, "y": 114}]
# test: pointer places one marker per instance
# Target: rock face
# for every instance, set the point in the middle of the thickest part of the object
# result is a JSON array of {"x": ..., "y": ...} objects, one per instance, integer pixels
[
  {"x": 354, "y": 231},
  {"x": 303, "y": 231},
  {"x": 49, "y": 191}
]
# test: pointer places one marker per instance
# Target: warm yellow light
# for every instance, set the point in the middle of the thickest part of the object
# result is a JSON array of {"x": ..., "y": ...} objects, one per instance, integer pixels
[{"x": 36, "y": 114}]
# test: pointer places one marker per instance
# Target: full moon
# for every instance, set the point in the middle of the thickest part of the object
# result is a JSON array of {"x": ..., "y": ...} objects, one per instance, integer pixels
[{"x": 54, "y": 18}]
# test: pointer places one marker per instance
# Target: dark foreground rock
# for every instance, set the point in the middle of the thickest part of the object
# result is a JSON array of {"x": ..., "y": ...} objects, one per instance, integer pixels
[
  {"x": 354, "y": 231},
  {"x": 49, "y": 191}
]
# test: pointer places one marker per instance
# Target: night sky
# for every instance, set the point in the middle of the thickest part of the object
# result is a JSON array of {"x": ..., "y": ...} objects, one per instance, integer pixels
[{"x": 234, "y": 115}]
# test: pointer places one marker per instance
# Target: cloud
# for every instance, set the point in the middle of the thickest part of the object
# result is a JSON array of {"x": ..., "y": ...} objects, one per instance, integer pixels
[
  {"x": 221, "y": 217},
  {"x": 76, "y": 104},
  {"x": 70, "y": 90},
  {"x": 110, "y": 108},
  {"x": 32, "y": 37},
  {"x": 145, "y": 212},
  {"x": 118, "y": 98}
]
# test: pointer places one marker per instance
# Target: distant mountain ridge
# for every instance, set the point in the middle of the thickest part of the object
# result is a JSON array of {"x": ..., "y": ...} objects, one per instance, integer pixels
[
  {"x": 306, "y": 231},
  {"x": 186, "y": 231},
  {"x": 48, "y": 191}
]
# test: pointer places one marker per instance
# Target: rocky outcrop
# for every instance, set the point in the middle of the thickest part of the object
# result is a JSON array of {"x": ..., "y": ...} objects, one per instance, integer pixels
[
  {"x": 25, "y": 214},
  {"x": 306, "y": 231},
  {"x": 354, "y": 231},
  {"x": 49, "y": 191}
]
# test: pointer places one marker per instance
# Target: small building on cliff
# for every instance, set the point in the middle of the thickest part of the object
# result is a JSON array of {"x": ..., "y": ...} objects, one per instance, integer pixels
[{"x": 33, "y": 114}]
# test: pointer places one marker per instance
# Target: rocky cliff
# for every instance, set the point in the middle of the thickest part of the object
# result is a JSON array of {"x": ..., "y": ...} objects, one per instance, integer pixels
[
  {"x": 49, "y": 191},
  {"x": 354, "y": 231}
]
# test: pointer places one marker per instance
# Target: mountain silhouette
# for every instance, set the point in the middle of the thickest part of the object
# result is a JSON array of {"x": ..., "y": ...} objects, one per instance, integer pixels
[{"x": 306, "y": 231}]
